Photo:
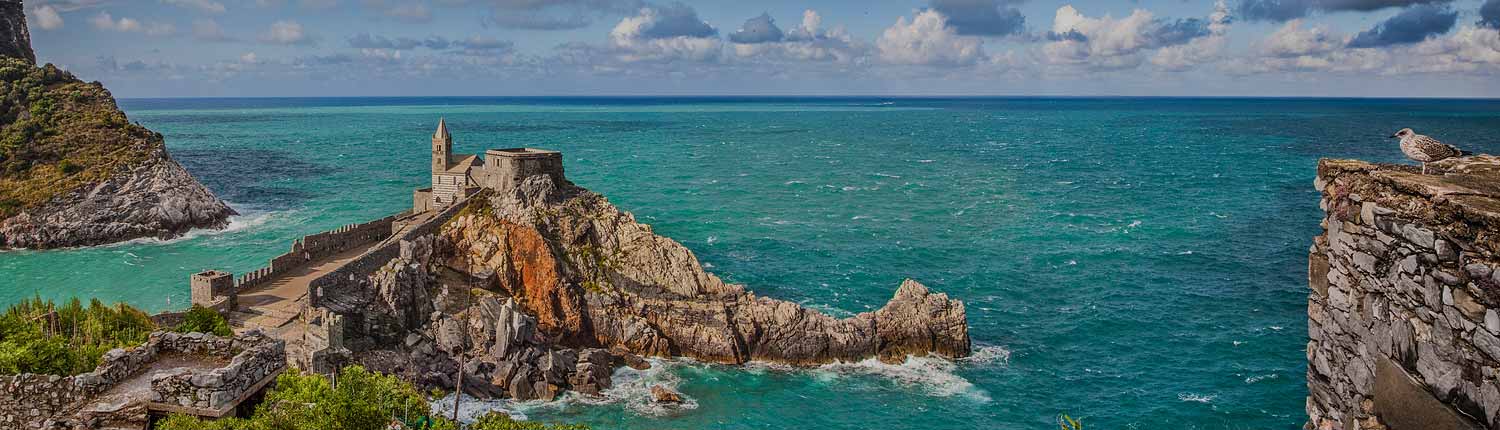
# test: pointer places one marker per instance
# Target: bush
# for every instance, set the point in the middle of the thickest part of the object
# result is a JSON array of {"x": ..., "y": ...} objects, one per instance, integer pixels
[
  {"x": 499, "y": 421},
  {"x": 363, "y": 400},
  {"x": 204, "y": 320},
  {"x": 38, "y": 336}
]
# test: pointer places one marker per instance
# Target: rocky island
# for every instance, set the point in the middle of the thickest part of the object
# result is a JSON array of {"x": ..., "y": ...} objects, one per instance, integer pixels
[
  {"x": 74, "y": 171},
  {"x": 1405, "y": 290}
]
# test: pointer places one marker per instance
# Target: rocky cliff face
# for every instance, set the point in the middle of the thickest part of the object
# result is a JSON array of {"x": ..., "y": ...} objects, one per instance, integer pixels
[
  {"x": 74, "y": 171},
  {"x": 547, "y": 287},
  {"x": 1402, "y": 316},
  {"x": 592, "y": 275},
  {"x": 15, "y": 39}
]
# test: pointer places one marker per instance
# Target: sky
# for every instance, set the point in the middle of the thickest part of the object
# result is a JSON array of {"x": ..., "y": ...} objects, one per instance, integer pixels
[{"x": 254, "y": 48}]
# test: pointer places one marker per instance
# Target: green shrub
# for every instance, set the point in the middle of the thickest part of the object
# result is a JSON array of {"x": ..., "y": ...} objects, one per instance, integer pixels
[
  {"x": 38, "y": 336},
  {"x": 69, "y": 167},
  {"x": 363, "y": 400},
  {"x": 499, "y": 421},
  {"x": 204, "y": 320}
]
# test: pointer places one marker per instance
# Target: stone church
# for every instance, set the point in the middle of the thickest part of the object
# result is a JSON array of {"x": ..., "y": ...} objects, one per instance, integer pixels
[{"x": 457, "y": 176}]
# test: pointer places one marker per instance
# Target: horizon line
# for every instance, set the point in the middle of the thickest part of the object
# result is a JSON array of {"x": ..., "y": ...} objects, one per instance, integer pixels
[{"x": 845, "y": 96}]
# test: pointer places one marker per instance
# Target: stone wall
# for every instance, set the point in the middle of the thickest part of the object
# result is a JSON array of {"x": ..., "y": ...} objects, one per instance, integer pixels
[
  {"x": 35, "y": 401},
  {"x": 320, "y": 245},
  {"x": 15, "y": 39},
  {"x": 1402, "y": 320},
  {"x": 253, "y": 356}
]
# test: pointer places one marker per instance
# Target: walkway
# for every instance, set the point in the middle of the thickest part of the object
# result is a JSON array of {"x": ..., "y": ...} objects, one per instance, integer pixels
[{"x": 275, "y": 304}]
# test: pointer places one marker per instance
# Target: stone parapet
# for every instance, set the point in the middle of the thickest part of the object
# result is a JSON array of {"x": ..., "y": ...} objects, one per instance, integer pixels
[
  {"x": 1402, "y": 319},
  {"x": 254, "y": 359}
]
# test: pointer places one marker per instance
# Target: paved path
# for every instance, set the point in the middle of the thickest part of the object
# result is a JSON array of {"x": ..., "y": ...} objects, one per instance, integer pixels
[{"x": 272, "y": 306}]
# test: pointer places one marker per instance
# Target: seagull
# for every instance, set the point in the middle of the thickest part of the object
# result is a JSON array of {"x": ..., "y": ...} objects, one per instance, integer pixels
[{"x": 1424, "y": 149}]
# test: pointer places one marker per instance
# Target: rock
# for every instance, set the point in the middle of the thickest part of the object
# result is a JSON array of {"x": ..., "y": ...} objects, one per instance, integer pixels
[
  {"x": 568, "y": 256},
  {"x": 660, "y": 394}
]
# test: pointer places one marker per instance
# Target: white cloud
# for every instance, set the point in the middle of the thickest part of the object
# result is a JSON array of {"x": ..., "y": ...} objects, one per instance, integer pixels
[
  {"x": 45, "y": 17},
  {"x": 209, "y": 30},
  {"x": 160, "y": 29},
  {"x": 104, "y": 21},
  {"x": 413, "y": 12},
  {"x": 928, "y": 40},
  {"x": 1293, "y": 40},
  {"x": 655, "y": 34},
  {"x": 287, "y": 33},
  {"x": 1103, "y": 42},
  {"x": 1198, "y": 50},
  {"x": 208, "y": 6},
  {"x": 249, "y": 58},
  {"x": 807, "y": 42}
]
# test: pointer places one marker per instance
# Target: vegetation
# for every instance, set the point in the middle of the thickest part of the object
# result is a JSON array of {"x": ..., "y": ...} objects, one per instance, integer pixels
[
  {"x": 362, "y": 400},
  {"x": 58, "y": 134},
  {"x": 1065, "y": 422},
  {"x": 38, "y": 336},
  {"x": 204, "y": 320}
]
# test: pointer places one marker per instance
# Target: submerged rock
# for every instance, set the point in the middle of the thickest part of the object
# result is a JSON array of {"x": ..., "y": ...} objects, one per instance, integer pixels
[{"x": 660, "y": 394}]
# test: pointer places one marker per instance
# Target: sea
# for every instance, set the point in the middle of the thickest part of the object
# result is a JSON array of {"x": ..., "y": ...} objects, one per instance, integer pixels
[{"x": 1135, "y": 263}]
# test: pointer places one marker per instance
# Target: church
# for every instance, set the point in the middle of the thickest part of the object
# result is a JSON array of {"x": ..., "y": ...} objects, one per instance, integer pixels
[{"x": 458, "y": 176}]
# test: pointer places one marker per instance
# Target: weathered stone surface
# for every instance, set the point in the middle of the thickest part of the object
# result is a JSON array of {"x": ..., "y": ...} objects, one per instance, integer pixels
[
  {"x": 594, "y": 276},
  {"x": 1404, "y": 334},
  {"x": 660, "y": 394}
]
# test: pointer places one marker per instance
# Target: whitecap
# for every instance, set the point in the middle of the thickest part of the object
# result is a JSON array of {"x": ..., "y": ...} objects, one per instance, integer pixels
[
  {"x": 887, "y": 175},
  {"x": 712, "y": 239},
  {"x": 986, "y": 355},
  {"x": 1258, "y": 378},
  {"x": 1194, "y": 397},
  {"x": 933, "y": 376},
  {"x": 246, "y": 220},
  {"x": 1134, "y": 224},
  {"x": 925, "y": 161},
  {"x": 1276, "y": 327}
]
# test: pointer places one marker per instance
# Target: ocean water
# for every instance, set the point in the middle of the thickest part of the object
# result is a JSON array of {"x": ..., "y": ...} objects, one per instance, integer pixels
[{"x": 1137, "y": 263}]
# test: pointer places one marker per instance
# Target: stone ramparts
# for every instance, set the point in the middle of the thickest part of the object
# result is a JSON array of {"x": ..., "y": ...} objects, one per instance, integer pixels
[
  {"x": 29, "y": 401},
  {"x": 254, "y": 359},
  {"x": 317, "y": 246},
  {"x": 355, "y": 274},
  {"x": 1405, "y": 286}
]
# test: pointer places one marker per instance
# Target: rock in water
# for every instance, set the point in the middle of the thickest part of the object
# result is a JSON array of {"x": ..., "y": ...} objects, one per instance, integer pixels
[
  {"x": 73, "y": 170},
  {"x": 660, "y": 394}
]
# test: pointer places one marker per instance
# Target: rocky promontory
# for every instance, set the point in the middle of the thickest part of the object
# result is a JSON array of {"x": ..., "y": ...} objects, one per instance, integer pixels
[
  {"x": 546, "y": 287},
  {"x": 74, "y": 171}
]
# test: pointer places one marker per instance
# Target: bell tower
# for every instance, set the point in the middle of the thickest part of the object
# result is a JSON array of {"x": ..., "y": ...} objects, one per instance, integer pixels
[{"x": 442, "y": 147}]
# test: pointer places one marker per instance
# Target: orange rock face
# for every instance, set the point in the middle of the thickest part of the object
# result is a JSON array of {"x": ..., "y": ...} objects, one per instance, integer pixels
[{"x": 525, "y": 267}]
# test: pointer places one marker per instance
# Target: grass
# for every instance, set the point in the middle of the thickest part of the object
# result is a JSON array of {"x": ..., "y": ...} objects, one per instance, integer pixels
[
  {"x": 59, "y": 134},
  {"x": 38, "y": 336}
]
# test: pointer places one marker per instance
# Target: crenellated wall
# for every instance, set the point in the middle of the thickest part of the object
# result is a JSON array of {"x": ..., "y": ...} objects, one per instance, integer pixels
[
  {"x": 1402, "y": 314},
  {"x": 320, "y": 245}
]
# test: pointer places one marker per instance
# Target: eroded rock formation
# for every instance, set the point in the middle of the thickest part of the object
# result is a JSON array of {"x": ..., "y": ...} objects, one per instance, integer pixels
[{"x": 547, "y": 287}]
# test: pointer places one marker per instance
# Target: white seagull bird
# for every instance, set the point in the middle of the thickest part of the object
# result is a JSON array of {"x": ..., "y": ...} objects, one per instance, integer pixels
[{"x": 1424, "y": 149}]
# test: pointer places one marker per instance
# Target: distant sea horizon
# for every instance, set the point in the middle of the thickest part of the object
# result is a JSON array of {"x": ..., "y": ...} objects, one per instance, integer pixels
[{"x": 1137, "y": 262}]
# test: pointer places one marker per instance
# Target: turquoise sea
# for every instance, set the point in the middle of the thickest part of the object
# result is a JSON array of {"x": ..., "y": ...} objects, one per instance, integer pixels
[{"x": 1138, "y": 263}]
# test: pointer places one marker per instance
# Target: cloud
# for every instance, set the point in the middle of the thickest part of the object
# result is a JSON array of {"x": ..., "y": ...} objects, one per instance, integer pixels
[
  {"x": 1415, "y": 24},
  {"x": 1489, "y": 14},
  {"x": 806, "y": 42},
  {"x": 368, "y": 41},
  {"x": 982, "y": 17},
  {"x": 104, "y": 21},
  {"x": 45, "y": 17},
  {"x": 69, "y": 5},
  {"x": 927, "y": 39},
  {"x": 1292, "y": 40},
  {"x": 208, "y": 6},
  {"x": 160, "y": 29},
  {"x": 412, "y": 12},
  {"x": 1197, "y": 50},
  {"x": 209, "y": 30},
  {"x": 318, "y": 4},
  {"x": 665, "y": 33},
  {"x": 551, "y": 14},
  {"x": 287, "y": 33},
  {"x": 1286, "y": 10},
  {"x": 1109, "y": 43},
  {"x": 760, "y": 29}
]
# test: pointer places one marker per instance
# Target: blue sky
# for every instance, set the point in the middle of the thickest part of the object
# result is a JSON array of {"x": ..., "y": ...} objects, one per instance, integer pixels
[{"x": 1366, "y": 48}]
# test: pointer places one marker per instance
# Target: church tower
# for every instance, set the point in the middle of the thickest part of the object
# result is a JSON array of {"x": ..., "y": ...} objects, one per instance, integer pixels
[{"x": 442, "y": 148}]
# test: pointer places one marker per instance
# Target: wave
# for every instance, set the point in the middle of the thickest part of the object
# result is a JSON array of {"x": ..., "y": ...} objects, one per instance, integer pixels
[
  {"x": 933, "y": 376},
  {"x": 1195, "y": 397},
  {"x": 246, "y": 220}
]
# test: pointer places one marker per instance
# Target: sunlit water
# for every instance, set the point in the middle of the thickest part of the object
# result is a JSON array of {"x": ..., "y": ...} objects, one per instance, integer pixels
[{"x": 1138, "y": 263}]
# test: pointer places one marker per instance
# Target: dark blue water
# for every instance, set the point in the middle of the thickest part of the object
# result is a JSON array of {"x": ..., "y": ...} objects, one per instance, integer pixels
[{"x": 1139, "y": 263}]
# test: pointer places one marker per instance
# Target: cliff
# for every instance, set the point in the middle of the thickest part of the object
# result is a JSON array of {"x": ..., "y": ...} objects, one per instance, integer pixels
[
  {"x": 73, "y": 170},
  {"x": 1402, "y": 320},
  {"x": 15, "y": 38},
  {"x": 547, "y": 287}
]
